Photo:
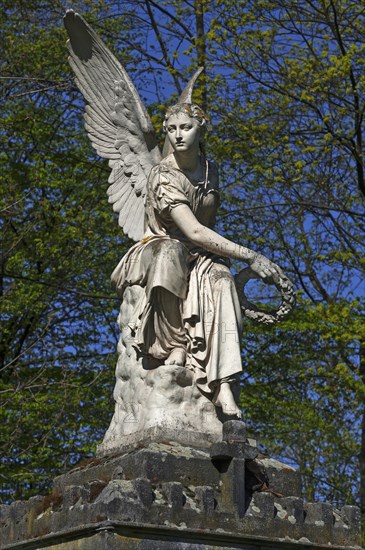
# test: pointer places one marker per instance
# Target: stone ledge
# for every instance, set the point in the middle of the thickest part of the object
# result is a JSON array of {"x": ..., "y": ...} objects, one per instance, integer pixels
[
  {"x": 116, "y": 535},
  {"x": 156, "y": 434},
  {"x": 177, "y": 493}
]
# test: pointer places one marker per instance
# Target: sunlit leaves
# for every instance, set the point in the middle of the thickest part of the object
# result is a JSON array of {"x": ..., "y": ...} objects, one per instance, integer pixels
[{"x": 59, "y": 245}]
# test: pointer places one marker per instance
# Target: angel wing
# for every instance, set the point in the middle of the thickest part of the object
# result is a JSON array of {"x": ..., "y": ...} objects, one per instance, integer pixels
[{"x": 117, "y": 122}]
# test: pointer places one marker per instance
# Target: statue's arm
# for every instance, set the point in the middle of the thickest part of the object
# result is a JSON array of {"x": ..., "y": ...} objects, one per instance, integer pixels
[{"x": 206, "y": 238}]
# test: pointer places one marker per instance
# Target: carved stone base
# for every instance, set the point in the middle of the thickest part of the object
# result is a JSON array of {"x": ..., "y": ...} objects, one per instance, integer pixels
[{"x": 168, "y": 496}]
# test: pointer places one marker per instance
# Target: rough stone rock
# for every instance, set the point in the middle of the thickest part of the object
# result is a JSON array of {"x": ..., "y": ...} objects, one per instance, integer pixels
[{"x": 149, "y": 394}]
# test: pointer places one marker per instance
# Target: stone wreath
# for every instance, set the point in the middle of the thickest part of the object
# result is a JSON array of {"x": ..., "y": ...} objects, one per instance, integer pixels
[{"x": 283, "y": 285}]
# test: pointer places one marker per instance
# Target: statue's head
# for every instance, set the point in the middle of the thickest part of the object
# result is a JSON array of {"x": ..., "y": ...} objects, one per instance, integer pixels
[{"x": 193, "y": 111}]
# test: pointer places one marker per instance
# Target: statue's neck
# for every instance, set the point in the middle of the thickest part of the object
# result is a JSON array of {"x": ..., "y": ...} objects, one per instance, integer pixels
[{"x": 189, "y": 163}]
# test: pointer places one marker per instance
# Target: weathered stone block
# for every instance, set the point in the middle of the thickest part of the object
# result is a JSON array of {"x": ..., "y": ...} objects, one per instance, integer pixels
[
  {"x": 174, "y": 495},
  {"x": 154, "y": 498},
  {"x": 281, "y": 478},
  {"x": 318, "y": 514},
  {"x": 144, "y": 491},
  {"x": 234, "y": 430},
  {"x": 74, "y": 493},
  {"x": 205, "y": 499},
  {"x": 189, "y": 467},
  {"x": 228, "y": 449},
  {"x": 290, "y": 509},
  {"x": 261, "y": 506},
  {"x": 351, "y": 516}
]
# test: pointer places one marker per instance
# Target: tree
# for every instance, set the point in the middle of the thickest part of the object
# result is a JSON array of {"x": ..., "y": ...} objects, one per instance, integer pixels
[
  {"x": 285, "y": 88},
  {"x": 59, "y": 245},
  {"x": 294, "y": 122}
]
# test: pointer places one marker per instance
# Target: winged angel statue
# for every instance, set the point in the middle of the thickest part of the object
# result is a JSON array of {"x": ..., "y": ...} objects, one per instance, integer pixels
[{"x": 180, "y": 318}]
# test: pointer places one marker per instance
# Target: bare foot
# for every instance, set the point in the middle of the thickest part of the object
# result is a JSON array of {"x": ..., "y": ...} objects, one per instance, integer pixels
[
  {"x": 176, "y": 357},
  {"x": 224, "y": 399}
]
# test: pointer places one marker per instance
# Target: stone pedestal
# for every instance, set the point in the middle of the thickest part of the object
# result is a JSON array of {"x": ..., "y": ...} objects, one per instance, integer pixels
[{"x": 165, "y": 495}]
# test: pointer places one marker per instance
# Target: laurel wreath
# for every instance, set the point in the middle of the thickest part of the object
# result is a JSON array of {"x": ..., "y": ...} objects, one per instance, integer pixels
[{"x": 283, "y": 285}]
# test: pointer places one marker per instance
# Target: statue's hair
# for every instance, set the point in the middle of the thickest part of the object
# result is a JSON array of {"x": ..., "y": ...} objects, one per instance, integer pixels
[{"x": 192, "y": 110}]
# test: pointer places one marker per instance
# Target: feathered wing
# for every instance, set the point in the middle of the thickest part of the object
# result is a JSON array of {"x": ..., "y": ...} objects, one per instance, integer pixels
[{"x": 117, "y": 122}]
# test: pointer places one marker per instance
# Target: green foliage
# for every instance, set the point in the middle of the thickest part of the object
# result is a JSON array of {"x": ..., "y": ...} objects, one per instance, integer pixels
[
  {"x": 59, "y": 244},
  {"x": 290, "y": 118},
  {"x": 303, "y": 396},
  {"x": 285, "y": 88}
]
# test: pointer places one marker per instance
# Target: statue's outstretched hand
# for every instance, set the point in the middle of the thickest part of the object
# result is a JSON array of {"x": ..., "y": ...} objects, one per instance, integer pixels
[{"x": 266, "y": 269}]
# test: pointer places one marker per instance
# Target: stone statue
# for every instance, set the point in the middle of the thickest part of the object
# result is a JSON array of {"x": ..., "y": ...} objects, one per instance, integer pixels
[{"x": 180, "y": 316}]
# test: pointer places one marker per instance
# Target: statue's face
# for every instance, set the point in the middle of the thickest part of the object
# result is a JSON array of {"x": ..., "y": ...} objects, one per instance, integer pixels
[{"x": 183, "y": 132}]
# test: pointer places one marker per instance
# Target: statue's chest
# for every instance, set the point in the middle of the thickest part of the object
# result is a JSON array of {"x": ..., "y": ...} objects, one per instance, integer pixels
[{"x": 204, "y": 204}]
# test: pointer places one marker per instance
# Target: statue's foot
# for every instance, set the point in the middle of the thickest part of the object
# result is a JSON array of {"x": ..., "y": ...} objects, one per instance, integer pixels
[
  {"x": 224, "y": 399},
  {"x": 176, "y": 357}
]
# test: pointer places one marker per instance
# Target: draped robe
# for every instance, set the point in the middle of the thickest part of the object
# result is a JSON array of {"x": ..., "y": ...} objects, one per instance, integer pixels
[{"x": 189, "y": 299}]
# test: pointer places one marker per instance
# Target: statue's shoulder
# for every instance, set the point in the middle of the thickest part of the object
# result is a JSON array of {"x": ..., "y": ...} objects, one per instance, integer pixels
[
  {"x": 158, "y": 174},
  {"x": 168, "y": 164},
  {"x": 167, "y": 169},
  {"x": 167, "y": 176},
  {"x": 165, "y": 165}
]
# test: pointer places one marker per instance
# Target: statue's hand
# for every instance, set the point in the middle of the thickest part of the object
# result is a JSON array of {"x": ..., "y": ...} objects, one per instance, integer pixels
[{"x": 266, "y": 269}]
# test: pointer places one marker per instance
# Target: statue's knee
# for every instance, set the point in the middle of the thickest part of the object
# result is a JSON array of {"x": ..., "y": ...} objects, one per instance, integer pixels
[
  {"x": 221, "y": 277},
  {"x": 168, "y": 245}
]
